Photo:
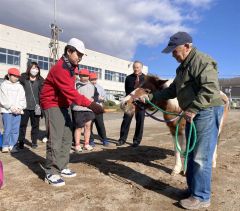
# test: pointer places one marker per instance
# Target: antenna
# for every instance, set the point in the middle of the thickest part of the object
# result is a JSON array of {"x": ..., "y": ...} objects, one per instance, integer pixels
[{"x": 54, "y": 42}]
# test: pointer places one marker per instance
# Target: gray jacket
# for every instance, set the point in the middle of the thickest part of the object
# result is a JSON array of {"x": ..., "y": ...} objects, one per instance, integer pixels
[{"x": 86, "y": 89}]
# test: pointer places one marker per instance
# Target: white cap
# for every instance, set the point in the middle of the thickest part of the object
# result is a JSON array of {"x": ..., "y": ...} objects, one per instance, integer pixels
[{"x": 78, "y": 44}]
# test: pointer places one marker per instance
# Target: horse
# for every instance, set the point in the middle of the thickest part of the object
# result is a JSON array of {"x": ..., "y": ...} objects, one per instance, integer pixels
[{"x": 150, "y": 85}]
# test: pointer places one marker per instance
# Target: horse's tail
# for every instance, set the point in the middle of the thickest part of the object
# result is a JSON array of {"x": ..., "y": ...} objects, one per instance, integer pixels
[
  {"x": 225, "y": 99},
  {"x": 223, "y": 120}
]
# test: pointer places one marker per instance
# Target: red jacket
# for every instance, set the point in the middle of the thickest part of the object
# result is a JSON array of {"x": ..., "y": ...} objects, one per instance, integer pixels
[{"x": 59, "y": 88}]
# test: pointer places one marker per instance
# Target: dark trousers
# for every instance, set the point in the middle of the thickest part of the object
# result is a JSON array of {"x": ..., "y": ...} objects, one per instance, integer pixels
[
  {"x": 99, "y": 126},
  {"x": 59, "y": 130},
  {"x": 139, "y": 116},
  {"x": 23, "y": 126}
]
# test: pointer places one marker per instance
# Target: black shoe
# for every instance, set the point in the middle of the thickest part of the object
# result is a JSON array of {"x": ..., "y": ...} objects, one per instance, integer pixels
[
  {"x": 34, "y": 146},
  {"x": 135, "y": 144},
  {"x": 20, "y": 146},
  {"x": 120, "y": 143}
]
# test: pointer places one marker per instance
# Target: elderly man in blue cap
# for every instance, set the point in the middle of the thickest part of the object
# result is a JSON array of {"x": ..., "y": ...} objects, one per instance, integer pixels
[{"x": 197, "y": 90}]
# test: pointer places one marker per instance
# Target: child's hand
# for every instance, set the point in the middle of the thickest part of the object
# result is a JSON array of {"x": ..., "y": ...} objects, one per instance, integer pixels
[
  {"x": 101, "y": 98},
  {"x": 13, "y": 109},
  {"x": 19, "y": 110}
]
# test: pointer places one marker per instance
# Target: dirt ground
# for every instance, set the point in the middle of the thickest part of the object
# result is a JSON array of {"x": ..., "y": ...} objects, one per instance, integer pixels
[{"x": 123, "y": 178}]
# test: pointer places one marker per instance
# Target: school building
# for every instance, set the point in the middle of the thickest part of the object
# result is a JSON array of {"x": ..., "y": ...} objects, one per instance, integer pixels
[{"x": 18, "y": 47}]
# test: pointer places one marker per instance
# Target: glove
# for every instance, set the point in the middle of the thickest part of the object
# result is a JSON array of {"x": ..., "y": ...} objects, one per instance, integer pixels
[{"x": 96, "y": 108}]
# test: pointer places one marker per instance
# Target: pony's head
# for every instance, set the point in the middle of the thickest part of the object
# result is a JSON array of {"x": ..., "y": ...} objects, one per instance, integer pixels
[{"x": 150, "y": 84}]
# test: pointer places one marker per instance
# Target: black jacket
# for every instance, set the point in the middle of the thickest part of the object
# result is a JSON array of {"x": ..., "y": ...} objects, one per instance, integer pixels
[
  {"x": 36, "y": 88},
  {"x": 130, "y": 82}
]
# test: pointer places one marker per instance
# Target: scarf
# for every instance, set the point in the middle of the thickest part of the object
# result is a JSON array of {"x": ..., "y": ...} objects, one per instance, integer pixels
[{"x": 70, "y": 66}]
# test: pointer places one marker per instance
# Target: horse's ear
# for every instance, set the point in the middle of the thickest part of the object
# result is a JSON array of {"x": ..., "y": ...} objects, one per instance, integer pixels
[
  {"x": 146, "y": 77},
  {"x": 161, "y": 82}
]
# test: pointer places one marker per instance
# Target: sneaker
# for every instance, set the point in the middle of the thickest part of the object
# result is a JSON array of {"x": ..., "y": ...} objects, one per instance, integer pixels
[
  {"x": 91, "y": 143},
  {"x": 13, "y": 149},
  {"x": 44, "y": 140},
  {"x": 5, "y": 150},
  {"x": 68, "y": 173},
  {"x": 194, "y": 204},
  {"x": 88, "y": 147},
  {"x": 78, "y": 149},
  {"x": 54, "y": 180},
  {"x": 105, "y": 143}
]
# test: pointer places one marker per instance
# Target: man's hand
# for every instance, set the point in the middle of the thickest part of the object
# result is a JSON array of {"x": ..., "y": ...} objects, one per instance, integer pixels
[
  {"x": 146, "y": 97},
  {"x": 143, "y": 98},
  {"x": 188, "y": 115},
  {"x": 96, "y": 108}
]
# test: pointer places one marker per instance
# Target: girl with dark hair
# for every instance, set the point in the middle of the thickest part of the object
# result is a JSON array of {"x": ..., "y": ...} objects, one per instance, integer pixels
[{"x": 32, "y": 83}]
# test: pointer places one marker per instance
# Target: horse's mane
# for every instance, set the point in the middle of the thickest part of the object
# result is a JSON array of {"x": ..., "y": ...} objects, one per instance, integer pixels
[
  {"x": 156, "y": 81},
  {"x": 152, "y": 77}
]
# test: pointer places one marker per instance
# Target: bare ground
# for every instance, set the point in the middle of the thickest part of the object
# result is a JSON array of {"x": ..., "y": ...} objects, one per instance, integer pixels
[{"x": 123, "y": 178}]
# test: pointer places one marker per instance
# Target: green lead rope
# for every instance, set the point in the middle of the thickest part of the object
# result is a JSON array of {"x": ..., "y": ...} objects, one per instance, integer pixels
[{"x": 192, "y": 131}]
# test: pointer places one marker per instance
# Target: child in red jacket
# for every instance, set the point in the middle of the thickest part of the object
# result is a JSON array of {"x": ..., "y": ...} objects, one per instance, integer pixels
[{"x": 57, "y": 94}]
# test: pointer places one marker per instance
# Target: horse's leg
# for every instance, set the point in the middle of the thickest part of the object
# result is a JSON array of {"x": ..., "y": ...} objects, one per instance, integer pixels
[{"x": 178, "y": 161}]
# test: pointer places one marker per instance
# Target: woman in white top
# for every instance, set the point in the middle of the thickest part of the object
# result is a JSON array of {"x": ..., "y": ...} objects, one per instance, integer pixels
[{"x": 12, "y": 102}]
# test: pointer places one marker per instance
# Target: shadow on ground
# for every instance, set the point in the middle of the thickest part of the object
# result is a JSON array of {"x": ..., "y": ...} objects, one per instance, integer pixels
[
  {"x": 108, "y": 162},
  {"x": 31, "y": 159}
]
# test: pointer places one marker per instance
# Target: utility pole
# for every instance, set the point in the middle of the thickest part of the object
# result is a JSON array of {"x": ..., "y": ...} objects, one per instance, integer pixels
[{"x": 54, "y": 43}]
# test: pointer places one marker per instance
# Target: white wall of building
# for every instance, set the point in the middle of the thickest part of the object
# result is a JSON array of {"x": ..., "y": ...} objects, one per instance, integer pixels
[{"x": 30, "y": 43}]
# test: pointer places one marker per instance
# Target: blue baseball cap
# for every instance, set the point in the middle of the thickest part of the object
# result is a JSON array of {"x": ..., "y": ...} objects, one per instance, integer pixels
[{"x": 177, "y": 39}]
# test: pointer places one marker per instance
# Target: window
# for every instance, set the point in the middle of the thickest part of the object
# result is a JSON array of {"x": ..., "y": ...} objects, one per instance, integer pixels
[
  {"x": 44, "y": 63},
  {"x": 92, "y": 69},
  {"x": 109, "y": 75},
  {"x": 8, "y": 56},
  {"x": 113, "y": 94},
  {"x": 115, "y": 76},
  {"x": 122, "y": 77}
]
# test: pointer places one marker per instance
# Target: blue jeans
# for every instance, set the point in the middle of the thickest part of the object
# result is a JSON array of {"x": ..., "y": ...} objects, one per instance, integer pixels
[
  {"x": 199, "y": 169},
  {"x": 11, "y": 124}
]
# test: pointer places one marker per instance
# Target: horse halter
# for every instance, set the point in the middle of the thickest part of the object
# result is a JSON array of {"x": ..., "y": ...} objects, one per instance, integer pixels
[
  {"x": 136, "y": 102},
  {"x": 141, "y": 105}
]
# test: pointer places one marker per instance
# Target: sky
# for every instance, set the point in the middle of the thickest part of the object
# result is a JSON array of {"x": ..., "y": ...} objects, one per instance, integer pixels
[{"x": 137, "y": 29}]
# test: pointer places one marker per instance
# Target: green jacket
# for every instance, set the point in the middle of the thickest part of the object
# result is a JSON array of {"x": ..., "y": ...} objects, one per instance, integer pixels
[{"x": 196, "y": 83}]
